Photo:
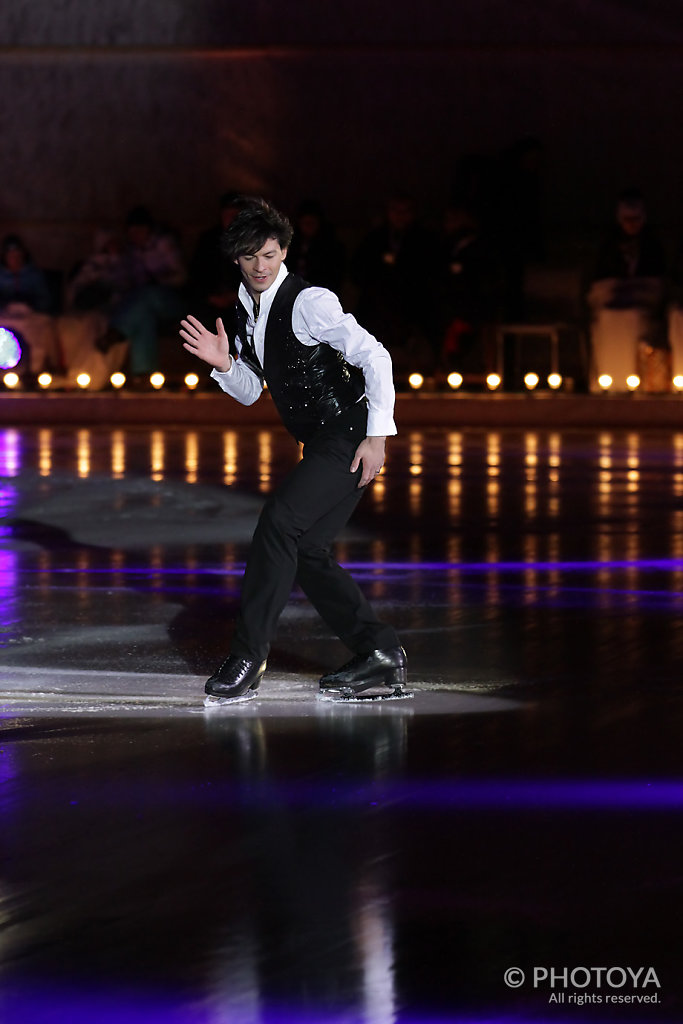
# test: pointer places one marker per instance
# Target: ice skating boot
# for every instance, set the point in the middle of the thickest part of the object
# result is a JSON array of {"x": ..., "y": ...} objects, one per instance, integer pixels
[
  {"x": 375, "y": 676},
  {"x": 236, "y": 679}
]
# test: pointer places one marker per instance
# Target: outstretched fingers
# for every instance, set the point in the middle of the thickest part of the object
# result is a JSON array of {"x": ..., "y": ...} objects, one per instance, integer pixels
[{"x": 191, "y": 328}]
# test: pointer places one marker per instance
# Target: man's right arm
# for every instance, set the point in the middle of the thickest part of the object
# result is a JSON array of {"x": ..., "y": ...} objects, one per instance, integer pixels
[{"x": 232, "y": 376}]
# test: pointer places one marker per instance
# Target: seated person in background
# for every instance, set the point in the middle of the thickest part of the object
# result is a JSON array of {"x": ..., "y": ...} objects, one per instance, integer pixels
[
  {"x": 25, "y": 304},
  {"x": 470, "y": 291},
  {"x": 155, "y": 274},
  {"x": 631, "y": 250},
  {"x": 20, "y": 279},
  {"x": 316, "y": 254},
  {"x": 101, "y": 279},
  {"x": 213, "y": 280},
  {"x": 94, "y": 291},
  {"x": 397, "y": 286},
  {"x": 627, "y": 300}
]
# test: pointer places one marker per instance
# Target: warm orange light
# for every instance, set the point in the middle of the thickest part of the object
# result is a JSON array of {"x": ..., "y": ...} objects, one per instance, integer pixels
[
  {"x": 554, "y": 381},
  {"x": 117, "y": 380},
  {"x": 44, "y": 380},
  {"x": 416, "y": 380},
  {"x": 157, "y": 380},
  {"x": 605, "y": 381},
  {"x": 493, "y": 381},
  {"x": 191, "y": 381},
  {"x": 454, "y": 380},
  {"x": 531, "y": 381},
  {"x": 83, "y": 380},
  {"x": 678, "y": 383},
  {"x": 11, "y": 380},
  {"x": 632, "y": 382}
]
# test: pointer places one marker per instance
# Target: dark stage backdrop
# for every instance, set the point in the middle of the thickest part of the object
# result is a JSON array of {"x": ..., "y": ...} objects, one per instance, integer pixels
[{"x": 168, "y": 103}]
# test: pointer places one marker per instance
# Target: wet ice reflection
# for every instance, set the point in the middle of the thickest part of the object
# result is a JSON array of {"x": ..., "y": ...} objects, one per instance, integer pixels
[
  {"x": 311, "y": 916},
  {"x": 551, "y": 504},
  {"x": 10, "y": 624},
  {"x": 83, "y": 453},
  {"x": 118, "y": 454},
  {"x": 10, "y": 452},
  {"x": 229, "y": 457},
  {"x": 157, "y": 454},
  {"x": 191, "y": 456},
  {"x": 265, "y": 457}
]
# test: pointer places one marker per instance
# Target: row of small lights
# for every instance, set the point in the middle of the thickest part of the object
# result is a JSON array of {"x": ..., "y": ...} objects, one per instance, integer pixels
[
  {"x": 117, "y": 380},
  {"x": 532, "y": 380},
  {"x": 12, "y": 380},
  {"x": 493, "y": 381},
  {"x": 633, "y": 382}
]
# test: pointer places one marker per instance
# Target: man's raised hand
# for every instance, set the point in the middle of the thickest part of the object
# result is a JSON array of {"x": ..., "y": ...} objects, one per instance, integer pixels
[{"x": 214, "y": 349}]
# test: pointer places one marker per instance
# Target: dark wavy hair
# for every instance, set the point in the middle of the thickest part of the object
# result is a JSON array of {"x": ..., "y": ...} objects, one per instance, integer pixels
[{"x": 256, "y": 222}]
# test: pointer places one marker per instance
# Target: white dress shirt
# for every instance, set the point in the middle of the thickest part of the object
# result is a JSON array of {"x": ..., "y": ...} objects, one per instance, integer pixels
[{"x": 317, "y": 317}]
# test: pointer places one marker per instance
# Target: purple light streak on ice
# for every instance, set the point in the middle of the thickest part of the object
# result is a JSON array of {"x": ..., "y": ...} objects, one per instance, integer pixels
[
  {"x": 372, "y": 572},
  {"x": 235, "y": 568},
  {"x": 8, "y": 591},
  {"x": 40, "y": 1004},
  {"x": 663, "y": 564},
  {"x": 415, "y": 795}
]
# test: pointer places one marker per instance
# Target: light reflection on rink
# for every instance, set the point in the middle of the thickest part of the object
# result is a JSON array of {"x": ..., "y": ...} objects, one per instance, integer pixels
[{"x": 437, "y": 493}]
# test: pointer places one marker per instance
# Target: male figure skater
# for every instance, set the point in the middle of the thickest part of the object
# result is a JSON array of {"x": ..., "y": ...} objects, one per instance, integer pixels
[{"x": 332, "y": 385}]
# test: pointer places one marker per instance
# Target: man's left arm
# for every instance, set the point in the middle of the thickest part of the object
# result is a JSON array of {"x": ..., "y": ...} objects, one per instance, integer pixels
[{"x": 319, "y": 317}]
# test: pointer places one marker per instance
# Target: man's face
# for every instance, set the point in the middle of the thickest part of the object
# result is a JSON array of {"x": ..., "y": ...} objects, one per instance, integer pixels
[{"x": 260, "y": 269}]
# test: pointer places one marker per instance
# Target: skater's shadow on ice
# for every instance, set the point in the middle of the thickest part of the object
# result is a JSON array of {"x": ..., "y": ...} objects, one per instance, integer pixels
[{"x": 78, "y": 604}]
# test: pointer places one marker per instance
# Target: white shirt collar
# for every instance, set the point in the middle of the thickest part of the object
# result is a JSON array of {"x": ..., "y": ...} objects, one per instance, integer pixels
[{"x": 267, "y": 296}]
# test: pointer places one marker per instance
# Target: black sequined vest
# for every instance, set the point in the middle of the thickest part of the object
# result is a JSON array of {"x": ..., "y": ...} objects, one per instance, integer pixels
[{"x": 310, "y": 384}]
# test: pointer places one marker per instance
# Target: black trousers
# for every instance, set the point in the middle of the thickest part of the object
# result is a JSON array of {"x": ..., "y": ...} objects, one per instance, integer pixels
[{"x": 292, "y": 543}]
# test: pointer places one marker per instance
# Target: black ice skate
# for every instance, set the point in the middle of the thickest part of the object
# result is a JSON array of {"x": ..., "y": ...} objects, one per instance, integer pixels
[
  {"x": 237, "y": 679},
  {"x": 379, "y": 675}
]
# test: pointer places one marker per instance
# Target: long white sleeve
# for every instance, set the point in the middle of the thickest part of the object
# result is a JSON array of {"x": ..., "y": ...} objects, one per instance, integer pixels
[
  {"x": 239, "y": 382},
  {"x": 318, "y": 317}
]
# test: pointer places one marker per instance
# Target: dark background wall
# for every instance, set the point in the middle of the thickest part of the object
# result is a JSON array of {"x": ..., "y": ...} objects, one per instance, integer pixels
[{"x": 167, "y": 102}]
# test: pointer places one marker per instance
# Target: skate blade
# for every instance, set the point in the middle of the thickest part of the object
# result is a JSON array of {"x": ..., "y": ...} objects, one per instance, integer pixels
[
  {"x": 339, "y": 697},
  {"x": 211, "y": 703}
]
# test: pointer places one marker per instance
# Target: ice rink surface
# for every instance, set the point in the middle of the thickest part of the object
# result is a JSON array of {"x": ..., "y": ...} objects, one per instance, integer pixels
[{"x": 510, "y": 836}]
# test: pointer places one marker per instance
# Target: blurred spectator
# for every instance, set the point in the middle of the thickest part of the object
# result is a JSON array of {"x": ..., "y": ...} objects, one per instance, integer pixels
[
  {"x": 20, "y": 279},
  {"x": 213, "y": 280},
  {"x": 475, "y": 184},
  {"x": 25, "y": 304},
  {"x": 395, "y": 272},
  {"x": 630, "y": 250},
  {"x": 154, "y": 270},
  {"x": 519, "y": 222},
  {"x": 101, "y": 279},
  {"x": 627, "y": 300},
  {"x": 469, "y": 291},
  {"x": 316, "y": 254},
  {"x": 96, "y": 287}
]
